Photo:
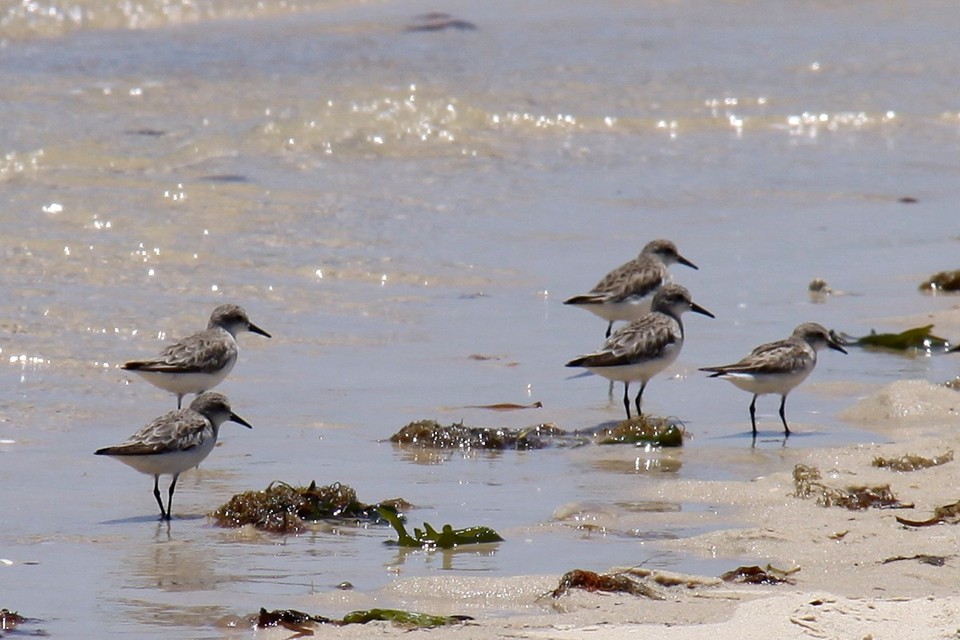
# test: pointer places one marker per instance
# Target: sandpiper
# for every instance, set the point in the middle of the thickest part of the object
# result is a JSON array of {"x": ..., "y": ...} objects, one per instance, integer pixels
[
  {"x": 201, "y": 361},
  {"x": 778, "y": 367},
  {"x": 175, "y": 442},
  {"x": 645, "y": 347},
  {"x": 626, "y": 293}
]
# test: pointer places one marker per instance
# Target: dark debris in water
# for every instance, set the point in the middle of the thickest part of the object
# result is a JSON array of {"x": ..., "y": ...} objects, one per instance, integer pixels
[
  {"x": 609, "y": 582},
  {"x": 919, "y": 338},
  {"x": 147, "y": 132},
  {"x": 505, "y": 406},
  {"x": 226, "y": 178},
  {"x": 431, "y": 434},
  {"x": 760, "y": 575},
  {"x": 947, "y": 514},
  {"x": 430, "y": 538},
  {"x": 282, "y": 508},
  {"x": 439, "y": 21},
  {"x": 807, "y": 481},
  {"x": 911, "y": 462},
  {"x": 942, "y": 281}
]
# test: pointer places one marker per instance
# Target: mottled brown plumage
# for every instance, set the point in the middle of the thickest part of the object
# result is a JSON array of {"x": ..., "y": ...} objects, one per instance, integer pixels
[
  {"x": 626, "y": 292},
  {"x": 778, "y": 367}
]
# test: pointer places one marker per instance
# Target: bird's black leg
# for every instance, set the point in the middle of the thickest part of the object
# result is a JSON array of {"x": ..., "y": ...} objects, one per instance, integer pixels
[
  {"x": 610, "y": 328},
  {"x": 783, "y": 418},
  {"x": 753, "y": 414},
  {"x": 179, "y": 400},
  {"x": 643, "y": 386},
  {"x": 626, "y": 398},
  {"x": 173, "y": 485},
  {"x": 156, "y": 494}
]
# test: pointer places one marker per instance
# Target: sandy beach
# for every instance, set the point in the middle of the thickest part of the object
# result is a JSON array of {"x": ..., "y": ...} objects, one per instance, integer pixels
[
  {"x": 403, "y": 195},
  {"x": 858, "y": 574}
]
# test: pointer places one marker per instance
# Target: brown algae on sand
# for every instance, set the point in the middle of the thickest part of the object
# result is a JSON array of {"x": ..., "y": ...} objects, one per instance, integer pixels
[
  {"x": 608, "y": 582},
  {"x": 947, "y": 514},
  {"x": 760, "y": 575},
  {"x": 282, "y": 508},
  {"x": 807, "y": 482},
  {"x": 911, "y": 462}
]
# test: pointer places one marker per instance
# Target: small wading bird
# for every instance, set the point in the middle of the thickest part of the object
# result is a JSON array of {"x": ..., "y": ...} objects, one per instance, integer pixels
[
  {"x": 778, "y": 367},
  {"x": 640, "y": 350},
  {"x": 175, "y": 442},
  {"x": 201, "y": 361},
  {"x": 626, "y": 293}
]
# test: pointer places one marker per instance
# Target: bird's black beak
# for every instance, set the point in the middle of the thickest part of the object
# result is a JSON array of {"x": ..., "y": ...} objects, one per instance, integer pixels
[
  {"x": 836, "y": 347},
  {"x": 255, "y": 329},
  {"x": 698, "y": 309},
  {"x": 686, "y": 262},
  {"x": 235, "y": 418}
]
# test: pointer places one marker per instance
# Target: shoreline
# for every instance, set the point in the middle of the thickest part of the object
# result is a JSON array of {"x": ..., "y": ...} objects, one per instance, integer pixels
[{"x": 859, "y": 573}]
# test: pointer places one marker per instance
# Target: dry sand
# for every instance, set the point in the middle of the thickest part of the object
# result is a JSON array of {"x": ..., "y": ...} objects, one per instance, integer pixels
[{"x": 858, "y": 574}]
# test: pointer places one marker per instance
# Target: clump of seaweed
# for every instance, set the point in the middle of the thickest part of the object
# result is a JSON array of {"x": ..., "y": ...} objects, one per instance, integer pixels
[
  {"x": 807, "y": 481},
  {"x": 430, "y": 538},
  {"x": 647, "y": 430},
  {"x": 282, "y": 508},
  {"x": 431, "y": 434},
  {"x": 610, "y": 582},
  {"x": 942, "y": 281},
  {"x": 919, "y": 338},
  {"x": 947, "y": 514},
  {"x": 760, "y": 575},
  {"x": 297, "y": 621},
  {"x": 911, "y": 462},
  {"x": 10, "y": 620}
]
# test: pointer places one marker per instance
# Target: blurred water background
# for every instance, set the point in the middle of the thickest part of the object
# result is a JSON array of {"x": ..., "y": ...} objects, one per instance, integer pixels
[{"x": 403, "y": 200}]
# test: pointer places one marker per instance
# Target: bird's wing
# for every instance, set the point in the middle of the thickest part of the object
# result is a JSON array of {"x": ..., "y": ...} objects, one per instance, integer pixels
[
  {"x": 773, "y": 357},
  {"x": 640, "y": 340},
  {"x": 639, "y": 277},
  {"x": 202, "y": 352},
  {"x": 175, "y": 431}
]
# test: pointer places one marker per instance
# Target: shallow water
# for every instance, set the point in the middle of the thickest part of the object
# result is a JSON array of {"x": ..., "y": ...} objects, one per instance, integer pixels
[{"x": 390, "y": 203}]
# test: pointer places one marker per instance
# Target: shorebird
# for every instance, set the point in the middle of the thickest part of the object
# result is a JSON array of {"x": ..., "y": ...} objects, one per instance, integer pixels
[
  {"x": 626, "y": 292},
  {"x": 640, "y": 350},
  {"x": 778, "y": 367},
  {"x": 201, "y": 361},
  {"x": 175, "y": 442}
]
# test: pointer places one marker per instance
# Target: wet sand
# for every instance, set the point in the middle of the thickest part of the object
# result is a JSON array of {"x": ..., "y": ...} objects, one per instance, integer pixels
[{"x": 858, "y": 574}]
